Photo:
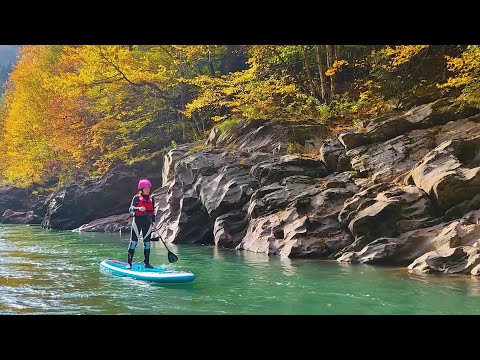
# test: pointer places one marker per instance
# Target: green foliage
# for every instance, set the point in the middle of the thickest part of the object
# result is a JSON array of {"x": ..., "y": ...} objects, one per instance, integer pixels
[
  {"x": 198, "y": 147},
  {"x": 69, "y": 110},
  {"x": 368, "y": 105},
  {"x": 227, "y": 125},
  {"x": 302, "y": 133},
  {"x": 294, "y": 148},
  {"x": 152, "y": 156}
]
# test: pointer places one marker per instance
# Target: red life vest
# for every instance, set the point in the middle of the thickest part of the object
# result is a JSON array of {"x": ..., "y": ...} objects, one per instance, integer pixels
[{"x": 148, "y": 204}]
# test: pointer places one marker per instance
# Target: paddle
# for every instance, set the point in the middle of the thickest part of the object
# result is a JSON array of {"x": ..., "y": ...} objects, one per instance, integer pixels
[{"x": 171, "y": 256}]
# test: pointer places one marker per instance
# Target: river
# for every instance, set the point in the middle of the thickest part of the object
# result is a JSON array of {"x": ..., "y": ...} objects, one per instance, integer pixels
[{"x": 58, "y": 272}]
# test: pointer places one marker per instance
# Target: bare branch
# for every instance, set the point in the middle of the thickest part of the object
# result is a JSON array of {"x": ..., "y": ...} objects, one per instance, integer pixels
[{"x": 138, "y": 84}]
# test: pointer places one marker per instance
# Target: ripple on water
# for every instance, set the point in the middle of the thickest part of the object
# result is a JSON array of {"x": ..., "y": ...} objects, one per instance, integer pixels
[{"x": 54, "y": 272}]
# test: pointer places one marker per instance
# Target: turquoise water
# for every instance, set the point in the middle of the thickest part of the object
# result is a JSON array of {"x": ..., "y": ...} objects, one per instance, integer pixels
[{"x": 57, "y": 272}]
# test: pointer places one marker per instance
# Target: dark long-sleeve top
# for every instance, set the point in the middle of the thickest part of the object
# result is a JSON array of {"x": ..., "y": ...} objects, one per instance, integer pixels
[{"x": 134, "y": 205}]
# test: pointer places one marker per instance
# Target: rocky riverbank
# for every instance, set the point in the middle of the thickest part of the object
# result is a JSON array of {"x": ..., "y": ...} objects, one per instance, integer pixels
[{"x": 401, "y": 189}]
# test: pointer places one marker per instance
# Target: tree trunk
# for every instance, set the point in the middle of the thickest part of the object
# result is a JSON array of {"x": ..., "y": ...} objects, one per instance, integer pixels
[
  {"x": 321, "y": 71},
  {"x": 199, "y": 119},
  {"x": 330, "y": 61},
  {"x": 444, "y": 65},
  {"x": 195, "y": 129},
  {"x": 182, "y": 116},
  {"x": 182, "y": 99},
  {"x": 306, "y": 65},
  {"x": 230, "y": 59},
  {"x": 211, "y": 69},
  {"x": 196, "y": 120}
]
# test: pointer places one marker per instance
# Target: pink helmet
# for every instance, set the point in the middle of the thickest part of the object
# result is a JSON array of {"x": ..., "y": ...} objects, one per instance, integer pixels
[{"x": 144, "y": 183}]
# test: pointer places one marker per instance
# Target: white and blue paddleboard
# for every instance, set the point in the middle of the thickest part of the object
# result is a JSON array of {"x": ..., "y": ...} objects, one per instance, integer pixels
[{"x": 139, "y": 271}]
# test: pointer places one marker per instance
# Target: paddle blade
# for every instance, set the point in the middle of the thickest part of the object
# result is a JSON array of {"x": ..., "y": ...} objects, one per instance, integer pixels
[{"x": 172, "y": 257}]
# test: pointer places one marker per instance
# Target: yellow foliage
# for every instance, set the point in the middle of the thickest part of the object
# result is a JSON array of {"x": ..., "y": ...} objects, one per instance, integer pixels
[
  {"x": 252, "y": 97},
  {"x": 76, "y": 108},
  {"x": 399, "y": 55},
  {"x": 336, "y": 67},
  {"x": 466, "y": 71},
  {"x": 40, "y": 129}
]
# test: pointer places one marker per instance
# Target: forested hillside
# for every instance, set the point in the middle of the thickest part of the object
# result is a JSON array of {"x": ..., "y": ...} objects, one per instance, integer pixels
[{"x": 70, "y": 111}]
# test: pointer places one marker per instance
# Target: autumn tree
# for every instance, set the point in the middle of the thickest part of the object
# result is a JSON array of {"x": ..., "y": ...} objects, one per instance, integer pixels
[
  {"x": 73, "y": 110},
  {"x": 36, "y": 132},
  {"x": 465, "y": 74}
]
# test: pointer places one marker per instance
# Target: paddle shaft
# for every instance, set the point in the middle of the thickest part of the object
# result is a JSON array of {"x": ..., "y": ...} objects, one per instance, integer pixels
[{"x": 151, "y": 223}]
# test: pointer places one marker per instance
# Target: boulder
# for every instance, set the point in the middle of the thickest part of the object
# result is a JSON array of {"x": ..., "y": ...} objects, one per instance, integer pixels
[
  {"x": 450, "y": 173},
  {"x": 19, "y": 217},
  {"x": 411, "y": 245},
  {"x": 275, "y": 169},
  {"x": 424, "y": 116},
  {"x": 298, "y": 217},
  {"x": 391, "y": 212},
  {"x": 110, "y": 224},
  {"x": 99, "y": 197}
]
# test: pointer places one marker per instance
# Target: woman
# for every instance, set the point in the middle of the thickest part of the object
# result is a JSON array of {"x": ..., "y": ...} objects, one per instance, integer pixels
[{"x": 141, "y": 209}]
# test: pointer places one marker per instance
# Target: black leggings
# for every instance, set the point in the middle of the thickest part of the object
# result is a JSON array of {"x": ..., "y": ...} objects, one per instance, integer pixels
[{"x": 142, "y": 225}]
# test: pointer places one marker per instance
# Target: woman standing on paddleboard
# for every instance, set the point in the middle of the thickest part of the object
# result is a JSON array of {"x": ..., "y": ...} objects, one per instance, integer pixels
[{"x": 141, "y": 209}]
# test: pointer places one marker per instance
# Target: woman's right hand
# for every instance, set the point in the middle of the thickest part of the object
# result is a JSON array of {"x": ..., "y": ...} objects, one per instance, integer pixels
[{"x": 142, "y": 208}]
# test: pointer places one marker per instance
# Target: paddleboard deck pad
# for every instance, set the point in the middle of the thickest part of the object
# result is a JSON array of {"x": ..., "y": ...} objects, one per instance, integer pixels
[{"x": 138, "y": 271}]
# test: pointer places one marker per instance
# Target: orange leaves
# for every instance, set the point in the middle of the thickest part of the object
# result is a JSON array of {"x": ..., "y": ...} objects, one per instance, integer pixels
[
  {"x": 399, "y": 55},
  {"x": 42, "y": 126},
  {"x": 336, "y": 67}
]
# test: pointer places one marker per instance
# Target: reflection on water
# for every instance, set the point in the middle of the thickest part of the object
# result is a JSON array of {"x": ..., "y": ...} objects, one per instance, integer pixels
[
  {"x": 287, "y": 266},
  {"x": 256, "y": 259},
  {"x": 55, "y": 272},
  {"x": 457, "y": 283}
]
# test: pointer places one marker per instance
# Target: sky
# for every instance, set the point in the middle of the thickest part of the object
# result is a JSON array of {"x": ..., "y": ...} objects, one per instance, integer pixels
[{"x": 8, "y": 53}]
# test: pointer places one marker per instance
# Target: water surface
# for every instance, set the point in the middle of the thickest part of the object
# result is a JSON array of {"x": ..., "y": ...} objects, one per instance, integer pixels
[{"x": 58, "y": 272}]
